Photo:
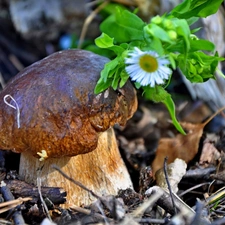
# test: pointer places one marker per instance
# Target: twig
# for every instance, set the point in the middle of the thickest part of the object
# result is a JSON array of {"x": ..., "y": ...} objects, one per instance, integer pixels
[
  {"x": 20, "y": 188},
  {"x": 199, "y": 173},
  {"x": 198, "y": 215},
  {"x": 215, "y": 197},
  {"x": 88, "y": 212},
  {"x": 76, "y": 182},
  {"x": 142, "y": 208},
  {"x": 6, "y": 222},
  {"x": 16, "y": 215},
  {"x": 41, "y": 198},
  {"x": 81, "y": 186},
  {"x": 2, "y": 81},
  {"x": 165, "y": 201},
  {"x": 88, "y": 21},
  {"x": 151, "y": 221},
  {"x": 192, "y": 188},
  {"x": 102, "y": 212},
  {"x": 15, "y": 61},
  {"x": 5, "y": 206},
  {"x": 168, "y": 184},
  {"x": 93, "y": 3}
]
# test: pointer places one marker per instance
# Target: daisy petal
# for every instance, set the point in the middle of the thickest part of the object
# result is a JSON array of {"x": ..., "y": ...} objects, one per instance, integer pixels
[{"x": 147, "y": 68}]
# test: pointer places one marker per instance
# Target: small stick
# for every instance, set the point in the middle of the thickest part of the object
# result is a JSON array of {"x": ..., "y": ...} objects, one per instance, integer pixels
[
  {"x": 88, "y": 212},
  {"x": 165, "y": 202},
  {"x": 2, "y": 82},
  {"x": 23, "y": 189},
  {"x": 93, "y": 3},
  {"x": 193, "y": 188},
  {"x": 5, "y": 222},
  {"x": 168, "y": 184},
  {"x": 88, "y": 21},
  {"x": 211, "y": 117},
  {"x": 76, "y": 182},
  {"x": 151, "y": 221},
  {"x": 41, "y": 198},
  {"x": 139, "y": 211},
  {"x": 16, "y": 215},
  {"x": 102, "y": 212},
  {"x": 12, "y": 204},
  {"x": 82, "y": 186}
]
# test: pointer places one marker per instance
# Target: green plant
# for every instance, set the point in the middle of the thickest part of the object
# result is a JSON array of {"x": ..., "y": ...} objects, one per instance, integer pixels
[{"x": 147, "y": 53}]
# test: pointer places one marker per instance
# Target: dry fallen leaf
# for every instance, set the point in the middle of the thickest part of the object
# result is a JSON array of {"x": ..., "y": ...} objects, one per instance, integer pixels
[
  {"x": 181, "y": 146},
  {"x": 209, "y": 154}
]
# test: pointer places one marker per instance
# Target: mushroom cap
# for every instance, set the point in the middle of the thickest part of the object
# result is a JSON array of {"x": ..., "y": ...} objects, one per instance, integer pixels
[{"x": 58, "y": 110}]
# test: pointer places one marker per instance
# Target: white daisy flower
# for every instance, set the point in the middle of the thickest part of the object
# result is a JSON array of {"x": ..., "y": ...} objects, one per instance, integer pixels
[{"x": 147, "y": 68}]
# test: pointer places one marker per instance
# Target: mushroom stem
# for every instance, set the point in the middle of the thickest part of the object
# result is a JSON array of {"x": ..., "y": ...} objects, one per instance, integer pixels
[{"x": 102, "y": 170}]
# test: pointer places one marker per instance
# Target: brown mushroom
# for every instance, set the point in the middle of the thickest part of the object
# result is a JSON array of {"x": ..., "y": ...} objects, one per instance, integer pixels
[{"x": 51, "y": 106}]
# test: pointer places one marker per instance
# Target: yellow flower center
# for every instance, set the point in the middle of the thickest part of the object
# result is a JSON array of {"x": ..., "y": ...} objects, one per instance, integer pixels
[{"x": 148, "y": 63}]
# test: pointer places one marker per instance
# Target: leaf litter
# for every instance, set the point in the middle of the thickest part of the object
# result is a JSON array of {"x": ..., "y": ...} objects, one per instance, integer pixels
[
  {"x": 181, "y": 146},
  {"x": 131, "y": 207}
]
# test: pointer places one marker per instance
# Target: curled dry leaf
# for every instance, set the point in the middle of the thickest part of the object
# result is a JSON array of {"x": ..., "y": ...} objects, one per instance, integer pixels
[
  {"x": 209, "y": 154},
  {"x": 181, "y": 146},
  {"x": 176, "y": 171}
]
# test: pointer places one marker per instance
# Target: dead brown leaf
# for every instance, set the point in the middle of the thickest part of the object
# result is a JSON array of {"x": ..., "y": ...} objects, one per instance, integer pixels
[
  {"x": 181, "y": 146},
  {"x": 209, "y": 154}
]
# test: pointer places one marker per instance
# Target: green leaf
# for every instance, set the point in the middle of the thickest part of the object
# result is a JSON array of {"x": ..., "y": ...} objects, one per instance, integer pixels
[
  {"x": 196, "y": 8},
  {"x": 159, "y": 94},
  {"x": 111, "y": 8},
  {"x": 181, "y": 8},
  {"x": 153, "y": 43},
  {"x": 101, "y": 85},
  {"x": 111, "y": 65},
  {"x": 198, "y": 67},
  {"x": 100, "y": 51},
  {"x": 196, "y": 30},
  {"x": 157, "y": 31},
  {"x": 183, "y": 30},
  {"x": 220, "y": 73},
  {"x": 196, "y": 45},
  {"x": 137, "y": 85},
  {"x": 182, "y": 44},
  {"x": 172, "y": 58},
  {"x": 116, "y": 78},
  {"x": 124, "y": 77},
  {"x": 171, "y": 108},
  {"x": 192, "y": 20},
  {"x": 178, "y": 47},
  {"x": 155, "y": 94},
  {"x": 110, "y": 75},
  {"x": 115, "y": 82},
  {"x": 123, "y": 26},
  {"x": 104, "y": 41},
  {"x": 124, "y": 45}
]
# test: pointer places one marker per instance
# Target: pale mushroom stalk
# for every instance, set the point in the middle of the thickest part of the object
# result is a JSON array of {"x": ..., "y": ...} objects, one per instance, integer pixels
[
  {"x": 102, "y": 170},
  {"x": 62, "y": 122}
]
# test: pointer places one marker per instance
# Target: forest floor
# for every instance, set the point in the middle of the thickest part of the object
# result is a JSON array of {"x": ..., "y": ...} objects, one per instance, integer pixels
[{"x": 177, "y": 179}]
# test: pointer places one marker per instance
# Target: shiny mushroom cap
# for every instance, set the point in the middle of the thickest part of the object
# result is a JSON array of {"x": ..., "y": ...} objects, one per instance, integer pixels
[{"x": 57, "y": 110}]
